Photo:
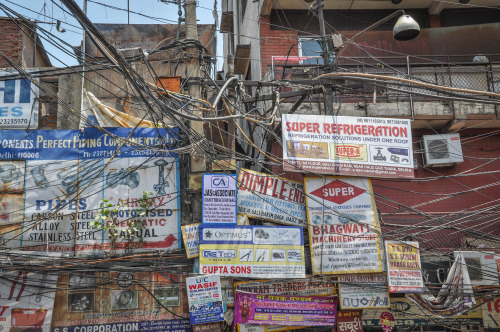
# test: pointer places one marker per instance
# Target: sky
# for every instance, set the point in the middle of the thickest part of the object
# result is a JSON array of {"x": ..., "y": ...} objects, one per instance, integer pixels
[{"x": 48, "y": 12}]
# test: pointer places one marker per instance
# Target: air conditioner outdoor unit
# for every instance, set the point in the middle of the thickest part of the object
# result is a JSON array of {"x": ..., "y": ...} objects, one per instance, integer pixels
[
  {"x": 482, "y": 267},
  {"x": 442, "y": 150}
]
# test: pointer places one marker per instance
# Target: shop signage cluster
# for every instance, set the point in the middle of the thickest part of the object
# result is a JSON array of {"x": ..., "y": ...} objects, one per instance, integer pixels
[
  {"x": 272, "y": 198},
  {"x": 219, "y": 199},
  {"x": 285, "y": 310},
  {"x": 343, "y": 225},
  {"x": 252, "y": 251},
  {"x": 205, "y": 299},
  {"x": 404, "y": 270},
  {"x": 69, "y": 172},
  {"x": 346, "y": 145}
]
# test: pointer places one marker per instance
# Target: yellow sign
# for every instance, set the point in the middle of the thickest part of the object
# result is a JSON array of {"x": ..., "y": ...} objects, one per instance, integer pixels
[{"x": 353, "y": 152}]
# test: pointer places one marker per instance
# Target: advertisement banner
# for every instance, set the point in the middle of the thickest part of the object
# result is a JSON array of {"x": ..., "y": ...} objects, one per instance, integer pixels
[
  {"x": 408, "y": 314},
  {"x": 191, "y": 238},
  {"x": 363, "y": 291},
  {"x": 309, "y": 286},
  {"x": 285, "y": 310},
  {"x": 272, "y": 198},
  {"x": 404, "y": 270},
  {"x": 343, "y": 225},
  {"x": 205, "y": 299},
  {"x": 104, "y": 301},
  {"x": 70, "y": 172},
  {"x": 252, "y": 251},
  {"x": 27, "y": 301},
  {"x": 347, "y": 145},
  {"x": 349, "y": 321},
  {"x": 219, "y": 199},
  {"x": 18, "y": 104}
]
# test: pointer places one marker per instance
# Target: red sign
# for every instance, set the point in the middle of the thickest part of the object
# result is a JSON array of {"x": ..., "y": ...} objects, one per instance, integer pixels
[
  {"x": 338, "y": 192},
  {"x": 349, "y": 321},
  {"x": 387, "y": 321}
]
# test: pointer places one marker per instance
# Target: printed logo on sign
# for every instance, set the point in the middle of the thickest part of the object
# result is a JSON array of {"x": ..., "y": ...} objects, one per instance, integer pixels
[
  {"x": 219, "y": 253},
  {"x": 348, "y": 151},
  {"x": 226, "y": 234},
  {"x": 338, "y": 192},
  {"x": 220, "y": 182}
]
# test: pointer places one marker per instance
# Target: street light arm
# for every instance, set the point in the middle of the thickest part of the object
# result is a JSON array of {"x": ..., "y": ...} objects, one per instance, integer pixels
[{"x": 374, "y": 25}]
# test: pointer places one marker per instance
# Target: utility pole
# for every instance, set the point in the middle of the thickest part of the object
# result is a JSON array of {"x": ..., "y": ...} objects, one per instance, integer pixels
[
  {"x": 327, "y": 94},
  {"x": 198, "y": 163}
]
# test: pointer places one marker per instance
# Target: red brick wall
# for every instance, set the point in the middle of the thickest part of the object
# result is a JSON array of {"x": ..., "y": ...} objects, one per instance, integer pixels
[
  {"x": 275, "y": 42},
  {"x": 11, "y": 42},
  {"x": 451, "y": 196}
]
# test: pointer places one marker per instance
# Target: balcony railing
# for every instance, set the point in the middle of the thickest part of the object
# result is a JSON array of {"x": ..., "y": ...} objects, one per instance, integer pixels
[{"x": 473, "y": 72}]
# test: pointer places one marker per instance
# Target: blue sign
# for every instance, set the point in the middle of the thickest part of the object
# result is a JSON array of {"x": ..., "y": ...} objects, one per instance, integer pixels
[
  {"x": 91, "y": 144},
  {"x": 178, "y": 325},
  {"x": 18, "y": 104}
]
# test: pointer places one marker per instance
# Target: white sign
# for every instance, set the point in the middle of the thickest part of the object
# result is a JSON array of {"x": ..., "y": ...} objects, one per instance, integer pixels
[
  {"x": 272, "y": 198},
  {"x": 363, "y": 291},
  {"x": 346, "y": 145},
  {"x": 219, "y": 199},
  {"x": 343, "y": 225},
  {"x": 252, "y": 251},
  {"x": 27, "y": 301},
  {"x": 404, "y": 270},
  {"x": 18, "y": 104},
  {"x": 205, "y": 299},
  {"x": 191, "y": 237}
]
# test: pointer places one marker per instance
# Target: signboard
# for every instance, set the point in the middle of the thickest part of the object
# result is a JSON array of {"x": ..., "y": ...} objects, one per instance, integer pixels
[
  {"x": 205, "y": 299},
  {"x": 285, "y": 310},
  {"x": 309, "y": 286},
  {"x": 404, "y": 270},
  {"x": 219, "y": 199},
  {"x": 252, "y": 251},
  {"x": 491, "y": 313},
  {"x": 69, "y": 172},
  {"x": 18, "y": 104},
  {"x": 406, "y": 313},
  {"x": 346, "y": 145},
  {"x": 272, "y": 198},
  {"x": 387, "y": 321},
  {"x": 363, "y": 291},
  {"x": 349, "y": 321},
  {"x": 343, "y": 225},
  {"x": 27, "y": 301},
  {"x": 191, "y": 238},
  {"x": 153, "y": 302}
]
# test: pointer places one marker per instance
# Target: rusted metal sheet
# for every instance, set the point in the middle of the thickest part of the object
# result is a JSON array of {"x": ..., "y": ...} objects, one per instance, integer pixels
[
  {"x": 149, "y": 36},
  {"x": 11, "y": 176}
]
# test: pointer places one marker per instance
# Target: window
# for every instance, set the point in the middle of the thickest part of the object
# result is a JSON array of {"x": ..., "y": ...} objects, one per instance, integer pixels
[{"x": 311, "y": 47}]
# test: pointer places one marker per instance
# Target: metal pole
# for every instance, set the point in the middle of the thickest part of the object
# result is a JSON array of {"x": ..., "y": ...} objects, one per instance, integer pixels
[
  {"x": 193, "y": 69},
  {"x": 328, "y": 93}
]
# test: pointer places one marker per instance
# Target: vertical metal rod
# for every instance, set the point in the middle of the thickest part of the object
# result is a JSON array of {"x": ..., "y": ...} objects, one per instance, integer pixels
[
  {"x": 327, "y": 94},
  {"x": 411, "y": 96},
  {"x": 128, "y": 11}
]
